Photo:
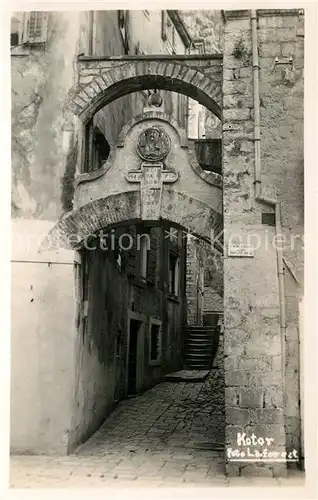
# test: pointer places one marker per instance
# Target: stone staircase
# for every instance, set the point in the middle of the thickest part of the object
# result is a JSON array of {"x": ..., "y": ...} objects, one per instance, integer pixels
[{"x": 200, "y": 346}]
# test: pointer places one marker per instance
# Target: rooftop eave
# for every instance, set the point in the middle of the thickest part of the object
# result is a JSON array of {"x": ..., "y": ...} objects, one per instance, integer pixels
[
  {"x": 180, "y": 27},
  {"x": 244, "y": 14}
]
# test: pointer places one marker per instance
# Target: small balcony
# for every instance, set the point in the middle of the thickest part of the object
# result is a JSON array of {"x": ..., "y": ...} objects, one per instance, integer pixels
[{"x": 209, "y": 154}]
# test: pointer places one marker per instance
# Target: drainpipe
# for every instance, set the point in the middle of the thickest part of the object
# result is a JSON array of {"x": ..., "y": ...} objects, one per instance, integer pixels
[
  {"x": 90, "y": 32},
  {"x": 260, "y": 197}
]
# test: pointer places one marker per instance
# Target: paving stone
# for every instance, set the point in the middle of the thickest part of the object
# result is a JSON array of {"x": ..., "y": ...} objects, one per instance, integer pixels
[{"x": 150, "y": 451}]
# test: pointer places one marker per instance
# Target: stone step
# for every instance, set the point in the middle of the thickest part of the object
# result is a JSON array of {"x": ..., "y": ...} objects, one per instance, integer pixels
[
  {"x": 197, "y": 357},
  {"x": 202, "y": 329},
  {"x": 198, "y": 343},
  {"x": 199, "y": 340},
  {"x": 196, "y": 348},
  {"x": 197, "y": 366},
  {"x": 200, "y": 337},
  {"x": 203, "y": 346},
  {"x": 195, "y": 338}
]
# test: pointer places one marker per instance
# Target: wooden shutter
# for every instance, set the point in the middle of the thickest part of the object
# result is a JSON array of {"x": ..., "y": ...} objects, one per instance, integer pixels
[
  {"x": 164, "y": 25},
  {"x": 131, "y": 254},
  {"x": 123, "y": 20},
  {"x": 152, "y": 257},
  {"x": 37, "y": 27}
]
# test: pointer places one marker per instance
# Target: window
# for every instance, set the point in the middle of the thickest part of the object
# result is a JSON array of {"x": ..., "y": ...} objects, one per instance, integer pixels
[
  {"x": 29, "y": 28},
  {"x": 164, "y": 25},
  {"x": 101, "y": 149},
  {"x": 97, "y": 148},
  {"x": 119, "y": 258},
  {"x": 123, "y": 21},
  {"x": 154, "y": 341},
  {"x": 35, "y": 27},
  {"x": 15, "y": 31},
  {"x": 143, "y": 258},
  {"x": 175, "y": 236},
  {"x": 168, "y": 33},
  {"x": 181, "y": 110},
  {"x": 198, "y": 46},
  {"x": 174, "y": 274}
]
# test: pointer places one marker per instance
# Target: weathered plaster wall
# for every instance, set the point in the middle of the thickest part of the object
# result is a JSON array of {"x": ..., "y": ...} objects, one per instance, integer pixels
[
  {"x": 107, "y": 41},
  {"x": 42, "y": 343},
  {"x": 146, "y": 33},
  {"x": 146, "y": 38},
  {"x": 41, "y": 79},
  {"x": 96, "y": 345},
  {"x": 253, "y": 371},
  {"x": 43, "y": 169}
]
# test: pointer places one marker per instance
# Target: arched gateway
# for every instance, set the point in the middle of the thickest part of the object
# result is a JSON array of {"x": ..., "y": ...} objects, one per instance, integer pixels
[
  {"x": 81, "y": 309},
  {"x": 145, "y": 178},
  {"x": 102, "y": 80},
  {"x": 151, "y": 180},
  {"x": 193, "y": 199}
]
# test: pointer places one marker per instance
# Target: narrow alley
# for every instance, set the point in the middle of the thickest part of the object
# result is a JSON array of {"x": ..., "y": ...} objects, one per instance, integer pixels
[
  {"x": 172, "y": 433},
  {"x": 167, "y": 437}
]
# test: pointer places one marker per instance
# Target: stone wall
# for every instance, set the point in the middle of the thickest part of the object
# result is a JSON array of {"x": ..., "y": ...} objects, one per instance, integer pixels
[
  {"x": 282, "y": 156},
  {"x": 255, "y": 401}
]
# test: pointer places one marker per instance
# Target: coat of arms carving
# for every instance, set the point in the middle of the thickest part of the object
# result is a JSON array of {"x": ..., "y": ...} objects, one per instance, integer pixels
[{"x": 153, "y": 144}]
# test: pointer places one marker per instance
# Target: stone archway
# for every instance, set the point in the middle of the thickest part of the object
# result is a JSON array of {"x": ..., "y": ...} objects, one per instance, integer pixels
[
  {"x": 129, "y": 189},
  {"x": 103, "y": 80},
  {"x": 183, "y": 210}
]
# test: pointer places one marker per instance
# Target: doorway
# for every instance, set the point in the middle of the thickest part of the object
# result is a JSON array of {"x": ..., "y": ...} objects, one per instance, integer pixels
[{"x": 134, "y": 328}]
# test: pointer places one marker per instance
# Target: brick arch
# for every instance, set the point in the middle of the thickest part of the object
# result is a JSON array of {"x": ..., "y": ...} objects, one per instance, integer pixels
[
  {"x": 178, "y": 208},
  {"x": 107, "y": 85}
]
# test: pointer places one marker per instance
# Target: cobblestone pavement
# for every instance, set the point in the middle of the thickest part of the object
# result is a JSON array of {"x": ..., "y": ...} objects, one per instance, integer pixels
[{"x": 171, "y": 435}]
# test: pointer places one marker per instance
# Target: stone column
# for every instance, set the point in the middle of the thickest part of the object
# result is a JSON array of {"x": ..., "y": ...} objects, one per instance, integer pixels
[{"x": 252, "y": 344}]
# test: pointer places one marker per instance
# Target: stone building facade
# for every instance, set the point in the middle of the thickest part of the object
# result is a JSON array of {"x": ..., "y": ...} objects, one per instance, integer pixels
[
  {"x": 42, "y": 74},
  {"x": 254, "y": 87}
]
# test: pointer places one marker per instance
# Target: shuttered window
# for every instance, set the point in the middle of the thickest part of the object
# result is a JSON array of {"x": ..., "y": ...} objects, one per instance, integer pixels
[
  {"x": 131, "y": 253},
  {"x": 152, "y": 257},
  {"x": 35, "y": 27}
]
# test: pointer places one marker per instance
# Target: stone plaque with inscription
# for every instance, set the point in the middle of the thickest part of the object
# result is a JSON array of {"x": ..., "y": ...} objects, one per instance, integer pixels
[
  {"x": 151, "y": 177},
  {"x": 240, "y": 250}
]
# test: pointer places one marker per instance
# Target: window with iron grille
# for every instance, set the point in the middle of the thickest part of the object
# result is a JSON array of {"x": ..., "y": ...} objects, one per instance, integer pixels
[
  {"x": 29, "y": 28},
  {"x": 35, "y": 27}
]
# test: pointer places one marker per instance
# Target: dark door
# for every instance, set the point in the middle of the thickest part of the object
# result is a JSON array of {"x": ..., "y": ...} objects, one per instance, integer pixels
[{"x": 132, "y": 358}]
